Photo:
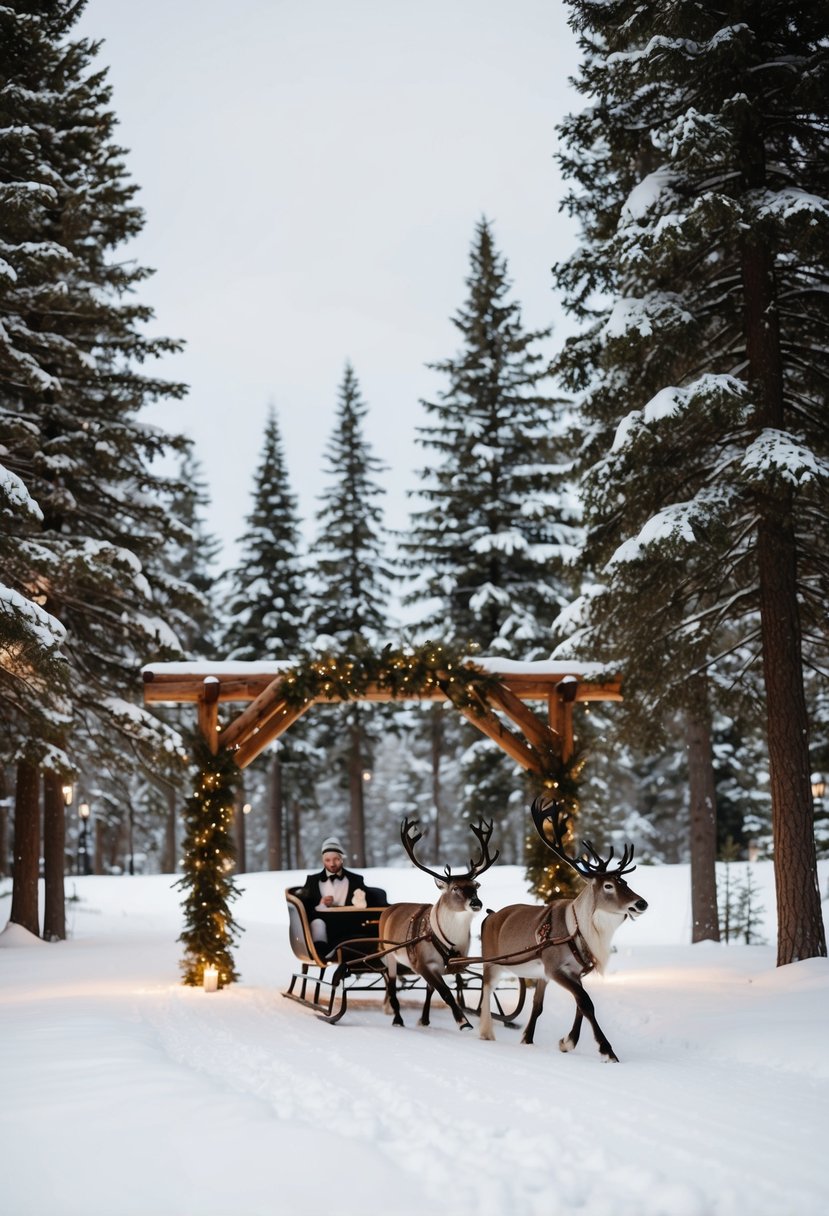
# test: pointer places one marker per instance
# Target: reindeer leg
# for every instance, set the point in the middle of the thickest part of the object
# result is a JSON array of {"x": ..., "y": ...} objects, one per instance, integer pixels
[
  {"x": 585, "y": 1009},
  {"x": 538, "y": 1005},
  {"x": 445, "y": 992},
  {"x": 427, "y": 1004},
  {"x": 569, "y": 1042},
  {"x": 391, "y": 991},
  {"x": 491, "y": 973}
]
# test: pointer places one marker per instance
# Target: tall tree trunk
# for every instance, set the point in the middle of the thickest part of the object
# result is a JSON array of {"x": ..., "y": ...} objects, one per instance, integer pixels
[
  {"x": 4, "y": 823},
  {"x": 356, "y": 820},
  {"x": 24, "y": 910},
  {"x": 276, "y": 814},
  {"x": 296, "y": 860},
  {"x": 170, "y": 859},
  {"x": 100, "y": 846},
  {"x": 239, "y": 818},
  {"x": 800, "y": 932},
  {"x": 703, "y": 815},
  {"x": 436, "y": 722},
  {"x": 54, "y": 857}
]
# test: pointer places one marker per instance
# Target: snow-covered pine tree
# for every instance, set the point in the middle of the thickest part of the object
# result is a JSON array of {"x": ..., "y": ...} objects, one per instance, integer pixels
[
  {"x": 495, "y": 523},
  {"x": 351, "y": 583},
  {"x": 701, "y": 178},
  {"x": 265, "y": 609},
  {"x": 71, "y": 344}
]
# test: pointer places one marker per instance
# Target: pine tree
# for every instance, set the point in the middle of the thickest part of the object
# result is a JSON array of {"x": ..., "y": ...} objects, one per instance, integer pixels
[
  {"x": 351, "y": 580},
  {"x": 266, "y": 607},
  {"x": 489, "y": 542},
  {"x": 497, "y": 526},
  {"x": 701, "y": 178},
  {"x": 266, "y": 601},
  {"x": 71, "y": 343}
]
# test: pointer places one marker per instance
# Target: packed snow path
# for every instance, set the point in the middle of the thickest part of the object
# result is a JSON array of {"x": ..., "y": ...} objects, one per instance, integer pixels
[{"x": 127, "y": 1093}]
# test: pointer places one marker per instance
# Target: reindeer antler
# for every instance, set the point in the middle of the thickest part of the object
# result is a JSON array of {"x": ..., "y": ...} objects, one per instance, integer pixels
[
  {"x": 483, "y": 832},
  {"x": 410, "y": 835},
  {"x": 588, "y": 866}
]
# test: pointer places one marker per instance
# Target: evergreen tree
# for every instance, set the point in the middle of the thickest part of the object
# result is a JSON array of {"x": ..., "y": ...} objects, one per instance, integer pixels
[
  {"x": 352, "y": 580},
  {"x": 71, "y": 343},
  {"x": 701, "y": 176},
  {"x": 265, "y": 608},
  {"x": 496, "y": 525},
  {"x": 190, "y": 561},
  {"x": 266, "y": 600}
]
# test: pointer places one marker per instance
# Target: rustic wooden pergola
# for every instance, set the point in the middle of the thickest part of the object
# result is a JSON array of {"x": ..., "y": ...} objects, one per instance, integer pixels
[{"x": 501, "y": 713}]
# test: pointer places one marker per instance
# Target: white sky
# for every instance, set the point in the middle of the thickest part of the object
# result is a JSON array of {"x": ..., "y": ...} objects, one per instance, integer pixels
[{"x": 312, "y": 172}]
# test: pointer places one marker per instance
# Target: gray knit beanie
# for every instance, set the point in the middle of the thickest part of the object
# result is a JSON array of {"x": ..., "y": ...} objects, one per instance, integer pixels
[{"x": 332, "y": 845}]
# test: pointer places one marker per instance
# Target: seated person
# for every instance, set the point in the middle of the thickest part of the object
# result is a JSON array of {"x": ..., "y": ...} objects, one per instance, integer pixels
[{"x": 332, "y": 887}]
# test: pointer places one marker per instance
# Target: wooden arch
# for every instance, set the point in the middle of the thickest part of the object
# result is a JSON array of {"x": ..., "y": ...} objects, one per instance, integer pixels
[{"x": 502, "y": 713}]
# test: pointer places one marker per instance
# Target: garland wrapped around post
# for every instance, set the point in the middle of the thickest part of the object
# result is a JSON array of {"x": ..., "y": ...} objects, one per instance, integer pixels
[
  {"x": 209, "y": 854},
  {"x": 551, "y": 879}
]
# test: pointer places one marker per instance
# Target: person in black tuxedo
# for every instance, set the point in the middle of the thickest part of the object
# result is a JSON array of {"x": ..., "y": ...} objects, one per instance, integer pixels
[{"x": 332, "y": 887}]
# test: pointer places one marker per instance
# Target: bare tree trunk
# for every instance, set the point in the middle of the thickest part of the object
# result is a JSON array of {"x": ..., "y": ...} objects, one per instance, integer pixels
[
  {"x": 239, "y": 826},
  {"x": 436, "y": 722},
  {"x": 800, "y": 932},
  {"x": 100, "y": 846},
  {"x": 356, "y": 818},
  {"x": 4, "y": 823},
  {"x": 170, "y": 859},
  {"x": 54, "y": 857},
  {"x": 296, "y": 860},
  {"x": 703, "y": 816},
  {"x": 275, "y": 815},
  {"x": 24, "y": 910}
]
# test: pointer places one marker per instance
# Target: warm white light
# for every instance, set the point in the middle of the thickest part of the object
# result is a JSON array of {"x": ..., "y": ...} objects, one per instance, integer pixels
[
  {"x": 83, "y": 810},
  {"x": 247, "y": 808},
  {"x": 366, "y": 774},
  {"x": 68, "y": 793},
  {"x": 211, "y": 979}
]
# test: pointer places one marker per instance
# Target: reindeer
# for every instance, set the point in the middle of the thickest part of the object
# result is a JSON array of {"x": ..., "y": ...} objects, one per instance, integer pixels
[
  {"x": 564, "y": 940},
  {"x": 433, "y": 934}
]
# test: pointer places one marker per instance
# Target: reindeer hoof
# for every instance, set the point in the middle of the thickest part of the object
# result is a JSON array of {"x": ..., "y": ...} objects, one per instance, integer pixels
[
  {"x": 464, "y": 1025},
  {"x": 421, "y": 1022},
  {"x": 398, "y": 1021},
  {"x": 566, "y": 1044},
  {"x": 610, "y": 1058}
]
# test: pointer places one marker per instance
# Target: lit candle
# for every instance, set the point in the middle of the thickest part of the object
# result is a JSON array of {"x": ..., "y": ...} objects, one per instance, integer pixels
[{"x": 211, "y": 979}]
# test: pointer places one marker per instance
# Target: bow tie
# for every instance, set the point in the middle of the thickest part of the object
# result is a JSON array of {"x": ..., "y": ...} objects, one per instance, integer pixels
[{"x": 332, "y": 877}]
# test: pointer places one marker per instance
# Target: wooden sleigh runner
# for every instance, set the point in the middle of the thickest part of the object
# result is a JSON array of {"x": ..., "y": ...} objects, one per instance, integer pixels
[{"x": 354, "y": 964}]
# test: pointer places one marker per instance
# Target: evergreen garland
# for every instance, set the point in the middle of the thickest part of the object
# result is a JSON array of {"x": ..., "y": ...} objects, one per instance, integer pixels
[
  {"x": 399, "y": 671},
  {"x": 208, "y": 858},
  {"x": 550, "y": 879}
]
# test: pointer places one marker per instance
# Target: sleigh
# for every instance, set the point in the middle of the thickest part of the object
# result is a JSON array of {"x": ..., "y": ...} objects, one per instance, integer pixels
[{"x": 350, "y": 964}]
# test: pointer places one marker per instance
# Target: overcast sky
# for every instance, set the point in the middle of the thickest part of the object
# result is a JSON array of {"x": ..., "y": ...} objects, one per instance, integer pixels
[{"x": 312, "y": 172}]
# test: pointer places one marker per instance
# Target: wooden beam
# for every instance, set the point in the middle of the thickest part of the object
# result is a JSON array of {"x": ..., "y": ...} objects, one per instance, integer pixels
[
  {"x": 256, "y": 743},
  {"x": 538, "y": 733},
  {"x": 257, "y": 713},
  {"x": 520, "y": 750},
  {"x": 560, "y": 713}
]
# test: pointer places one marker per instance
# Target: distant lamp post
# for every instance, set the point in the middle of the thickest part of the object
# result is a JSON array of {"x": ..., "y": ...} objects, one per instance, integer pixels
[
  {"x": 367, "y": 775},
  {"x": 83, "y": 840},
  {"x": 818, "y": 787},
  {"x": 68, "y": 791}
]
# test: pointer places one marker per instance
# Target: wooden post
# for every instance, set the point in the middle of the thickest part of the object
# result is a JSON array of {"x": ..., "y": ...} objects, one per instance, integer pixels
[{"x": 209, "y": 713}]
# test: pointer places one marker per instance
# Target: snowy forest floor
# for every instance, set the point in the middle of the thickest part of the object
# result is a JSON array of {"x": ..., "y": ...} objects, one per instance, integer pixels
[{"x": 126, "y": 1093}]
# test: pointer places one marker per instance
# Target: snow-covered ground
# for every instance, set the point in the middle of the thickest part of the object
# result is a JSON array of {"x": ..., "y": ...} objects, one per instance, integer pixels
[{"x": 126, "y": 1093}]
